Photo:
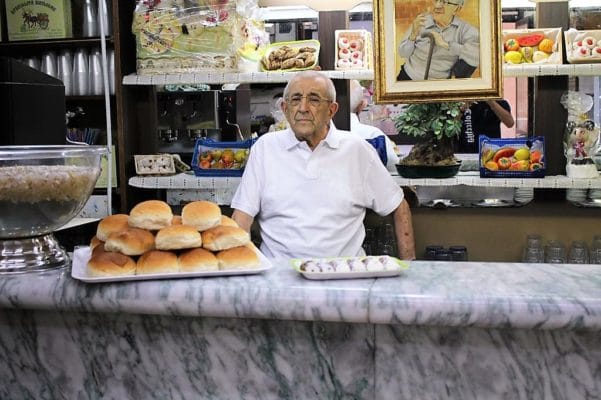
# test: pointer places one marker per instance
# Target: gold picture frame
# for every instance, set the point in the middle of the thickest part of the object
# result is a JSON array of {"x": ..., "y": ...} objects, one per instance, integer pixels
[{"x": 393, "y": 22}]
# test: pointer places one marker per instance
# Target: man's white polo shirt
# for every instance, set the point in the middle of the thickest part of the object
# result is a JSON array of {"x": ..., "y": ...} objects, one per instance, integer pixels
[{"x": 312, "y": 203}]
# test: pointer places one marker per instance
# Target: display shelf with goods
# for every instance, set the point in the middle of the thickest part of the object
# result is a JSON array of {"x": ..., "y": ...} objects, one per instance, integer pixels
[{"x": 103, "y": 40}]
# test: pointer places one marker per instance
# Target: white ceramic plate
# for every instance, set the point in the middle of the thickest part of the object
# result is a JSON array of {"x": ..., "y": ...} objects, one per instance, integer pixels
[
  {"x": 81, "y": 255},
  {"x": 296, "y": 264}
]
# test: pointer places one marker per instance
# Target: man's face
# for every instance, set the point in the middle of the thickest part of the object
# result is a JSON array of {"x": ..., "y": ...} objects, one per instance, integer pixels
[
  {"x": 308, "y": 109},
  {"x": 444, "y": 10}
]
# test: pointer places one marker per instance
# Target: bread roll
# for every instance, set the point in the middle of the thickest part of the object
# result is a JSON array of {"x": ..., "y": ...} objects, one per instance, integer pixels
[
  {"x": 110, "y": 224},
  {"x": 106, "y": 263},
  {"x": 132, "y": 242},
  {"x": 238, "y": 258},
  {"x": 227, "y": 221},
  {"x": 224, "y": 237},
  {"x": 95, "y": 242},
  {"x": 177, "y": 220},
  {"x": 201, "y": 214},
  {"x": 177, "y": 237},
  {"x": 151, "y": 215},
  {"x": 197, "y": 260},
  {"x": 157, "y": 262}
]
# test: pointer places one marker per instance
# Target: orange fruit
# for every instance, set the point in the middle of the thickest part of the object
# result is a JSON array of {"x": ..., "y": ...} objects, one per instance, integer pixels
[
  {"x": 491, "y": 166},
  {"x": 504, "y": 163},
  {"x": 546, "y": 45}
]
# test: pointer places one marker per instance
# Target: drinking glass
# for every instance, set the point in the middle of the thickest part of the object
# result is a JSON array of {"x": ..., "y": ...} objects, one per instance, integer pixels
[
  {"x": 65, "y": 70},
  {"x": 95, "y": 79},
  {"x": 595, "y": 253},
  {"x": 578, "y": 253},
  {"x": 49, "y": 64},
  {"x": 555, "y": 252},
  {"x": 533, "y": 251},
  {"x": 81, "y": 77}
]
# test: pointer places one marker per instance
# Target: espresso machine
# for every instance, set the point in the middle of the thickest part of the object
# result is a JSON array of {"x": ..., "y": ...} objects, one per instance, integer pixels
[{"x": 185, "y": 116}]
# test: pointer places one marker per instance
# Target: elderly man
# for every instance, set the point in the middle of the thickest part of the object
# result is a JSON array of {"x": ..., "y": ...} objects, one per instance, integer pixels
[
  {"x": 456, "y": 51},
  {"x": 309, "y": 185}
]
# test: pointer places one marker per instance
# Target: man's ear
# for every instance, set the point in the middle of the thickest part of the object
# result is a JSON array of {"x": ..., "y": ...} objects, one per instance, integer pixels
[{"x": 333, "y": 108}]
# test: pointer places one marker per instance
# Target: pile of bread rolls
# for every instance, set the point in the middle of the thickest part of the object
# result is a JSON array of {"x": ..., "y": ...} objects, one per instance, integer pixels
[{"x": 151, "y": 240}]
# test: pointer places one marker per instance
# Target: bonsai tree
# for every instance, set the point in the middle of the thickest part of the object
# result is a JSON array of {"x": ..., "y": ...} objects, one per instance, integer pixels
[{"x": 435, "y": 125}]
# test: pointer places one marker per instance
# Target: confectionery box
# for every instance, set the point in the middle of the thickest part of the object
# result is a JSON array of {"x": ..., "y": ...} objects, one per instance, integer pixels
[
  {"x": 353, "y": 49},
  {"x": 583, "y": 46},
  {"x": 32, "y": 19},
  {"x": 532, "y": 46}
]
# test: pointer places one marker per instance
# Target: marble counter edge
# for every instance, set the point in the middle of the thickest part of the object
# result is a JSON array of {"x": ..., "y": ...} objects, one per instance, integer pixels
[{"x": 422, "y": 297}]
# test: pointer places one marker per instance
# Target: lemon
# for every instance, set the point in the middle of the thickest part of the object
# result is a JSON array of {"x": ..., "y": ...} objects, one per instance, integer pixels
[
  {"x": 522, "y": 154},
  {"x": 513, "y": 57}
]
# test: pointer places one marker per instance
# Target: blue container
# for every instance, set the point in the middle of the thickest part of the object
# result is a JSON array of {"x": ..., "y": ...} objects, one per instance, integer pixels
[
  {"x": 500, "y": 154},
  {"x": 212, "y": 158}
]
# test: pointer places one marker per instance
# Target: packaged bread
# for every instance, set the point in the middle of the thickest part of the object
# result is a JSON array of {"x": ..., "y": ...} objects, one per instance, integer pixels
[
  {"x": 151, "y": 215},
  {"x": 291, "y": 56},
  {"x": 224, "y": 237}
]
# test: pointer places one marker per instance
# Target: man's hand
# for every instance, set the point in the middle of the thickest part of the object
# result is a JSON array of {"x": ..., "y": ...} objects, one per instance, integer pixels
[
  {"x": 439, "y": 40},
  {"x": 417, "y": 25}
]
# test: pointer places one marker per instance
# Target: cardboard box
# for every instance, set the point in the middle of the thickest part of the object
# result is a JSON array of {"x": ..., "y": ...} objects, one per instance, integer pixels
[
  {"x": 533, "y": 46},
  {"x": 353, "y": 49},
  {"x": 583, "y": 46},
  {"x": 38, "y": 19}
]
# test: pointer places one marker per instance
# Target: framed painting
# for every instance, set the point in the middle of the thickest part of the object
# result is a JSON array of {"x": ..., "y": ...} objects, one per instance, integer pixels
[{"x": 437, "y": 50}]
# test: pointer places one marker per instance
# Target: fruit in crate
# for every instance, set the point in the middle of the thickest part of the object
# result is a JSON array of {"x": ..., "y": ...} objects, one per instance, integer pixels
[
  {"x": 511, "y": 45},
  {"x": 223, "y": 158},
  {"x": 513, "y": 57},
  {"x": 522, "y": 154},
  {"x": 531, "y": 39},
  {"x": 504, "y": 163}
]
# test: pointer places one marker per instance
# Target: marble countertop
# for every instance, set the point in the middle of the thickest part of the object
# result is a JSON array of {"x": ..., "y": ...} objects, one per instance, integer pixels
[{"x": 503, "y": 295}]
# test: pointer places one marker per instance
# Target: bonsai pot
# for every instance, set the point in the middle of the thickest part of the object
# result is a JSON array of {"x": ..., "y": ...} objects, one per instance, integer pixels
[{"x": 428, "y": 171}]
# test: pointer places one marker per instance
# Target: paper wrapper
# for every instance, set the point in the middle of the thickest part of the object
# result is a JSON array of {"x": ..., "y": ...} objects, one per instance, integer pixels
[{"x": 171, "y": 39}]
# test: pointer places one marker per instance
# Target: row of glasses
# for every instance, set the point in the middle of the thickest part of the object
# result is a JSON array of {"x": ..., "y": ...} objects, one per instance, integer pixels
[
  {"x": 555, "y": 252},
  {"x": 81, "y": 71}
]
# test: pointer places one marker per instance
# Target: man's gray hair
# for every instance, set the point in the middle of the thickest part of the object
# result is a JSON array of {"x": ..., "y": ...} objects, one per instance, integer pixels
[
  {"x": 330, "y": 89},
  {"x": 356, "y": 95}
]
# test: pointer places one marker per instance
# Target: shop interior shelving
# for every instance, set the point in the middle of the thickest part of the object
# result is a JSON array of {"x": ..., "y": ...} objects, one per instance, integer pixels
[
  {"x": 215, "y": 77},
  {"x": 185, "y": 181}
]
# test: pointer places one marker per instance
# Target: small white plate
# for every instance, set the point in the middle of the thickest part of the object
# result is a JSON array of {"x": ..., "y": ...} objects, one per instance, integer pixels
[
  {"x": 296, "y": 263},
  {"x": 81, "y": 255}
]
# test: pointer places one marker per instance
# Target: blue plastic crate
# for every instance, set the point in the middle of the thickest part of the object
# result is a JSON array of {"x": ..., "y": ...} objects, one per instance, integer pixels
[
  {"x": 209, "y": 159},
  {"x": 492, "y": 150}
]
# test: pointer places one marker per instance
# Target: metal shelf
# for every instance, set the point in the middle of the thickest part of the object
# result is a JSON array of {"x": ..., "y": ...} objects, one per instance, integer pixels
[
  {"x": 216, "y": 77},
  {"x": 552, "y": 70},
  {"x": 186, "y": 181}
]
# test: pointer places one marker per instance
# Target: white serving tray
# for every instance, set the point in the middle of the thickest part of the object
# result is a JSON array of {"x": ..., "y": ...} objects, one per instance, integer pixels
[
  {"x": 402, "y": 265},
  {"x": 81, "y": 255}
]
